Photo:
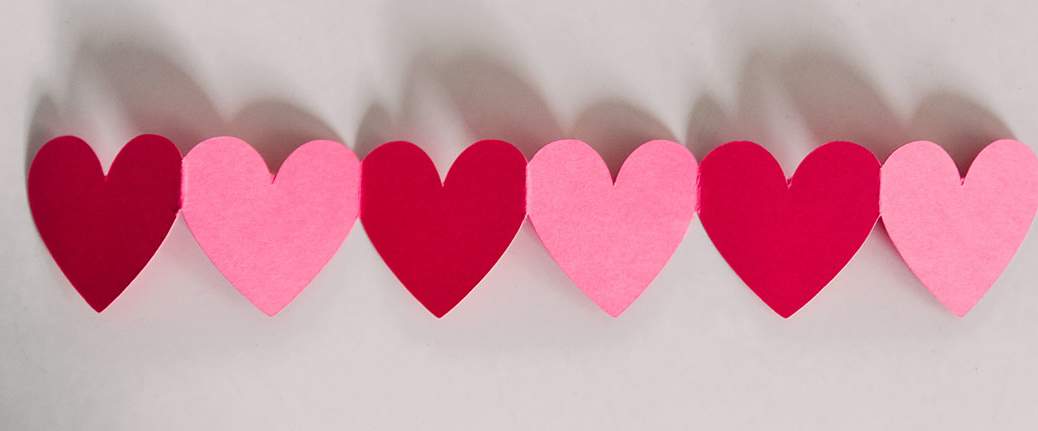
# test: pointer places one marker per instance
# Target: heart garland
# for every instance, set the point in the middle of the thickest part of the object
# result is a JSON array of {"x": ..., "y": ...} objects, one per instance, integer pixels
[{"x": 270, "y": 235}]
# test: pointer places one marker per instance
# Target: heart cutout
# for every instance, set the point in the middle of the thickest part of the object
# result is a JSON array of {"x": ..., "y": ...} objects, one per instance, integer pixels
[
  {"x": 103, "y": 229},
  {"x": 787, "y": 240},
  {"x": 441, "y": 239},
  {"x": 270, "y": 235},
  {"x": 612, "y": 238},
  {"x": 958, "y": 234}
]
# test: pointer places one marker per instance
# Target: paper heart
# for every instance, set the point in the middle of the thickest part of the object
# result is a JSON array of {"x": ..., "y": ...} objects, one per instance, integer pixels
[
  {"x": 611, "y": 239},
  {"x": 102, "y": 230},
  {"x": 270, "y": 234},
  {"x": 957, "y": 235},
  {"x": 787, "y": 241},
  {"x": 441, "y": 239}
]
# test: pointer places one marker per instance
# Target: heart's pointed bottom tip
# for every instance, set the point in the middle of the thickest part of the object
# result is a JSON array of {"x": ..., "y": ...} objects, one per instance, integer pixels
[
  {"x": 270, "y": 311},
  {"x": 959, "y": 309},
  {"x": 614, "y": 308},
  {"x": 439, "y": 313},
  {"x": 439, "y": 309},
  {"x": 787, "y": 313},
  {"x": 613, "y": 312},
  {"x": 960, "y": 312},
  {"x": 99, "y": 306}
]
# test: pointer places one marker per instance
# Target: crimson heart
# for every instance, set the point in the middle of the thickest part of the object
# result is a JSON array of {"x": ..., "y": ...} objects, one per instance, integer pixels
[
  {"x": 440, "y": 239},
  {"x": 787, "y": 240},
  {"x": 100, "y": 229}
]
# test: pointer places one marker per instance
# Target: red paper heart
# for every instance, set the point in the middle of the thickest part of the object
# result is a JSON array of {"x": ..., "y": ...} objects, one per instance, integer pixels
[
  {"x": 101, "y": 229},
  {"x": 787, "y": 240},
  {"x": 441, "y": 239}
]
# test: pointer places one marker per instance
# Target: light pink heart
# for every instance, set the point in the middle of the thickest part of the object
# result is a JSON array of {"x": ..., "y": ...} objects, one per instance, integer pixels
[
  {"x": 955, "y": 234},
  {"x": 270, "y": 235},
  {"x": 611, "y": 239}
]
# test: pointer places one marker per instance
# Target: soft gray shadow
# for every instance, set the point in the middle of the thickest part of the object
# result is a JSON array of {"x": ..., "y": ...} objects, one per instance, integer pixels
[
  {"x": 375, "y": 128},
  {"x": 44, "y": 125},
  {"x": 276, "y": 128},
  {"x": 839, "y": 102},
  {"x": 963, "y": 127},
  {"x": 615, "y": 129},
  {"x": 711, "y": 124},
  {"x": 496, "y": 102},
  {"x": 157, "y": 95},
  {"x": 492, "y": 98},
  {"x": 153, "y": 91}
]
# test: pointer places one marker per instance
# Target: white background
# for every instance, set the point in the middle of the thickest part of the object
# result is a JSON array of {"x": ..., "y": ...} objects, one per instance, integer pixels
[{"x": 182, "y": 349}]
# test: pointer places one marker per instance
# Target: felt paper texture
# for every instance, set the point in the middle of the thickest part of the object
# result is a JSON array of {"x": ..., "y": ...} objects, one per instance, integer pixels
[
  {"x": 788, "y": 240},
  {"x": 957, "y": 235},
  {"x": 270, "y": 235},
  {"x": 102, "y": 230},
  {"x": 440, "y": 239},
  {"x": 611, "y": 239}
]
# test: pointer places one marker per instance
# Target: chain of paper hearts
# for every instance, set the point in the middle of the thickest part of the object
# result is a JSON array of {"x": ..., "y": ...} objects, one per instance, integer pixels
[{"x": 271, "y": 234}]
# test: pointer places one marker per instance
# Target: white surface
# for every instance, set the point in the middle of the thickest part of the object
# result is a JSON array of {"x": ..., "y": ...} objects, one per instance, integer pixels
[{"x": 181, "y": 349}]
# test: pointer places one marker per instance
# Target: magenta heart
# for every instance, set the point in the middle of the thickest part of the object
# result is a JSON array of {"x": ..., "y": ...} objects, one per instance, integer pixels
[
  {"x": 102, "y": 230},
  {"x": 440, "y": 239},
  {"x": 787, "y": 240}
]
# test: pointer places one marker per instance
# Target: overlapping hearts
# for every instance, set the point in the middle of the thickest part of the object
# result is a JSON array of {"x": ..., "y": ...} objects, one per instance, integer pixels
[{"x": 271, "y": 234}]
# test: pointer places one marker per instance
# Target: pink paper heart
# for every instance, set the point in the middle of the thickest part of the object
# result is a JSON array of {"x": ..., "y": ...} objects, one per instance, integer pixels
[
  {"x": 270, "y": 235},
  {"x": 955, "y": 234},
  {"x": 611, "y": 239}
]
